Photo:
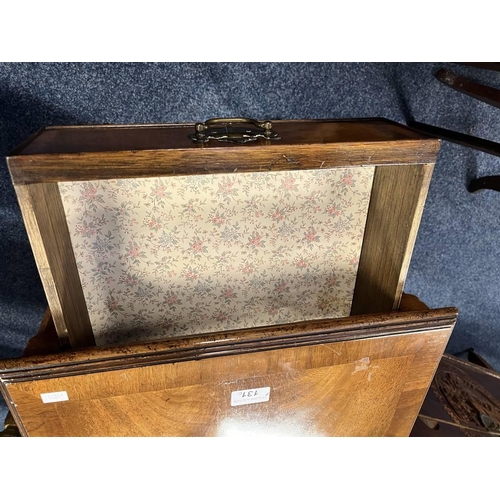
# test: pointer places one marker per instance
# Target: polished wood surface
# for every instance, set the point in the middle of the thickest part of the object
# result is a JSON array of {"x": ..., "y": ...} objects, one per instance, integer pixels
[
  {"x": 99, "y": 152},
  {"x": 107, "y": 138},
  {"x": 186, "y": 348},
  {"x": 47, "y": 342},
  {"x": 346, "y": 380}
]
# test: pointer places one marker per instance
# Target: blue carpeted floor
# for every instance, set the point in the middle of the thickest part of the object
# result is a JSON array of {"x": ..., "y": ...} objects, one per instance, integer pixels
[{"x": 457, "y": 255}]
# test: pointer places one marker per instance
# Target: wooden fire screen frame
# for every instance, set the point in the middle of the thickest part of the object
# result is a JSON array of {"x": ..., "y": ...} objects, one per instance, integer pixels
[{"x": 402, "y": 173}]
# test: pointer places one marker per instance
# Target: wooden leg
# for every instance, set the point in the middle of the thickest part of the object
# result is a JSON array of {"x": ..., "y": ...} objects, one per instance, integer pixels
[
  {"x": 483, "y": 93},
  {"x": 487, "y": 182},
  {"x": 490, "y": 147}
]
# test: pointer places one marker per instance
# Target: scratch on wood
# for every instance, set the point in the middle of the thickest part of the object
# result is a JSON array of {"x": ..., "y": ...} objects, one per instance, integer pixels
[
  {"x": 332, "y": 349},
  {"x": 235, "y": 381}
]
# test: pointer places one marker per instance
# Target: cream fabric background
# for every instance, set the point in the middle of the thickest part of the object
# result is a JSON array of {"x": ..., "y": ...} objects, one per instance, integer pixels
[{"x": 186, "y": 255}]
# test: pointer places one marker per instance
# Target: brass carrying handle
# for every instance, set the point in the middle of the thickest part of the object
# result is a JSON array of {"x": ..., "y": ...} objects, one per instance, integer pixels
[
  {"x": 226, "y": 133},
  {"x": 201, "y": 127}
]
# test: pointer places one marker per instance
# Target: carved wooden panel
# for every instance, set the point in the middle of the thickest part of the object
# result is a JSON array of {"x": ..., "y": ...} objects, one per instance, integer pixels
[{"x": 464, "y": 400}]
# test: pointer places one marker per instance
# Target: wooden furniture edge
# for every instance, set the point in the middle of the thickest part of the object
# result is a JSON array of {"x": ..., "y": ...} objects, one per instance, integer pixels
[
  {"x": 394, "y": 213},
  {"x": 18, "y": 149},
  {"x": 225, "y": 343},
  {"x": 190, "y": 125},
  {"x": 181, "y": 162},
  {"x": 46, "y": 341},
  {"x": 45, "y": 223},
  {"x": 472, "y": 366}
]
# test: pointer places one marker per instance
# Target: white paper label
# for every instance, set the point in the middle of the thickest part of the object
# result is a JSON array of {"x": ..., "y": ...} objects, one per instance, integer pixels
[
  {"x": 54, "y": 397},
  {"x": 250, "y": 396}
]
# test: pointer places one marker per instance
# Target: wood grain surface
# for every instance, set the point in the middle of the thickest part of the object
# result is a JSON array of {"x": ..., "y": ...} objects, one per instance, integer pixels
[
  {"x": 108, "y": 152},
  {"x": 325, "y": 386},
  {"x": 396, "y": 206},
  {"x": 100, "y": 138},
  {"x": 48, "y": 233}
]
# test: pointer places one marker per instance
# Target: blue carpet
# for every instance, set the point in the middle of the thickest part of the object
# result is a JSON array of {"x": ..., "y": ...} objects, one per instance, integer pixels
[{"x": 457, "y": 256}]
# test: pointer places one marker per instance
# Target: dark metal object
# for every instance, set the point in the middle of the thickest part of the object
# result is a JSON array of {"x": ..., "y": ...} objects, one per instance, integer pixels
[
  {"x": 483, "y": 93},
  {"x": 227, "y": 133}
]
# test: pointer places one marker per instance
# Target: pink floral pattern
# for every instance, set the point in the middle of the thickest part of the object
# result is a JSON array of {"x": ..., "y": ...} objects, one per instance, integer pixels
[{"x": 185, "y": 255}]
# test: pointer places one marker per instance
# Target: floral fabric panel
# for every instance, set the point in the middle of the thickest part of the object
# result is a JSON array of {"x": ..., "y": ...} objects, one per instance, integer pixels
[{"x": 160, "y": 257}]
